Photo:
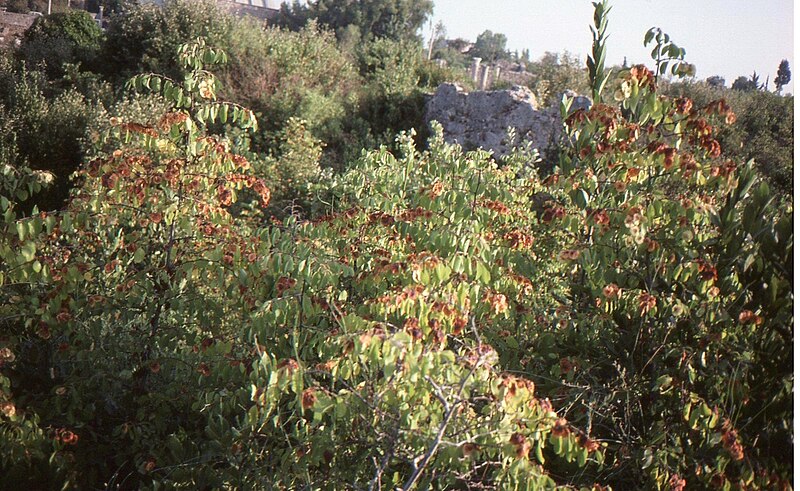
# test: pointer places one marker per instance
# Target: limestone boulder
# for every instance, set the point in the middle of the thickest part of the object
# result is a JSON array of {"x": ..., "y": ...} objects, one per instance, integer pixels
[{"x": 481, "y": 119}]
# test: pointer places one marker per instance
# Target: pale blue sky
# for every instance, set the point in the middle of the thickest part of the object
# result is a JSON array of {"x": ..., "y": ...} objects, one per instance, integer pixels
[{"x": 721, "y": 37}]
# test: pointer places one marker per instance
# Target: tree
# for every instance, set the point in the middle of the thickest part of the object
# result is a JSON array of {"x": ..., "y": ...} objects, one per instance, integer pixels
[
  {"x": 293, "y": 16},
  {"x": 438, "y": 38},
  {"x": 715, "y": 81},
  {"x": 744, "y": 84},
  {"x": 395, "y": 19},
  {"x": 754, "y": 81},
  {"x": 747, "y": 84},
  {"x": 64, "y": 37},
  {"x": 490, "y": 46},
  {"x": 784, "y": 76},
  {"x": 459, "y": 44},
  {"x": 147, "y": 37}
]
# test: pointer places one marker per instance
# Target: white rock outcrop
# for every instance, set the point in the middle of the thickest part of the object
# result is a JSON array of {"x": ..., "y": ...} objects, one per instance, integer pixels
[{"x": 481, "y": 119}]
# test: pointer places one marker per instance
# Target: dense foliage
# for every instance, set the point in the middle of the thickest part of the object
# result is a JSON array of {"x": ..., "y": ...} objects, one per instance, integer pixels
[
  {"x": 398, "y": 20},
  {"x": 784, "y": 76},
  {"x": 490, "y": 46},
  {"x": 147, "y": 37},
  {"x": 266, "y": 348},
  {"x": 41, "y": 127},
  {"x": 554, "y": 73},
  {"x": 347, "y": 98},
  {"x": 64, "y": 37},
  {"x": 422, "y": 318},
  {"x": 763, "y": 129}
]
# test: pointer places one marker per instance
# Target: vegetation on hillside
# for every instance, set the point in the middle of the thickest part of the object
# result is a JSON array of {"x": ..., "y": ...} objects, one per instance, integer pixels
[
  {"x": 354, "y": 21},
  {"x": 259, "y": 280}
]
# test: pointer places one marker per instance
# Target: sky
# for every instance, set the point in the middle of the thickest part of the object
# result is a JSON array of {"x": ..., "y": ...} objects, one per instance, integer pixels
[{"x": 721, "y": 37}]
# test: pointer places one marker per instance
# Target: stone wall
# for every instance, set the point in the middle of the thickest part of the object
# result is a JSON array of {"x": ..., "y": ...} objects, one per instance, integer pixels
[
  {"x": 12, "y": 26},
  {"x": 481, "y": 119}
]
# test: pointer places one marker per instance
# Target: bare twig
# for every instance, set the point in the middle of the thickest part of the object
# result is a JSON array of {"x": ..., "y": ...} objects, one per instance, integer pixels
[{"x": 450, "y": 411}]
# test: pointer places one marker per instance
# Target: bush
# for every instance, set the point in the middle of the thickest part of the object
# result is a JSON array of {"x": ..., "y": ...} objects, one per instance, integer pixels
[
  {"x": 283, "y": 75},
  {"x": 42, "y": 132},
  {"x": 147, "y": 37},
  {"x": 666, "y": 343},
  {"x": 763, "y": 130},
  {"x": 766, "y": 133},
  {"x": 449, "y": 321},
  {"x": 142, "y": 109},
  {"x": 293, "y": 170},
  {"x": 553, "y": 74},
  {"x": 392, "y": 99},
  {"x": 68, "y": 37},
  {"x": 432, "y": 75},
  {"x": 247, "y": 356}
]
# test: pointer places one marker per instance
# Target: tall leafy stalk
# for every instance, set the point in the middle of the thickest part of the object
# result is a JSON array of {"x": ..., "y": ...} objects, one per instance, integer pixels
[{"x": 595, "y": 62}]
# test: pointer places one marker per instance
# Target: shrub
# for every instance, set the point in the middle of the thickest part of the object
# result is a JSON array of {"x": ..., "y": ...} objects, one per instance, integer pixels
[
  {"x": 156, "y": 339},
  {"x": 42, "y": 132},
  {"x": 450, "y": 321},
  {"x": 147, "y": 37},
  {"x": 64, "y": 37},
  {"x": 763, "y": 130},
  {"x": 766, "y": 135},
  {"x": 666, "y": 341},
  {"x": 432, "y": 75},
  {"x": 553, "y": 74},
  {"x": 282, "y": 74},
  {"x": 142, "y": 109},
  {"x": 453, "y": 57},
  {"x": 293, "y": 170},
  {"x": 392, "y": 99}
]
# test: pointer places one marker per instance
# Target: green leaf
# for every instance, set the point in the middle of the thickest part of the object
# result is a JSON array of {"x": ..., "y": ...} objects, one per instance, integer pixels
[
  {"x": 537, "y": 452},
  {"x": 648, "y": 37},
  {"x": 583, "y": 454},
  {"x": 482, "y": 273},
  {"x": 50, "y": 222},
  {"x": 674, "y": 51},
  {"x": 581, "y": 198},
  {"x": 28, "y": 251},
  {"x": 558, "y": 445}
]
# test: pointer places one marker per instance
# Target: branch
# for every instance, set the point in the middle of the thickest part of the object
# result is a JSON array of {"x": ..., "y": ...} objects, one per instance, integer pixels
[
  {"x": 450, "y": 411},
  {"x": 376, "y": 481}
]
